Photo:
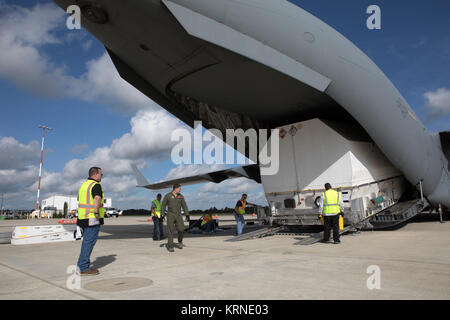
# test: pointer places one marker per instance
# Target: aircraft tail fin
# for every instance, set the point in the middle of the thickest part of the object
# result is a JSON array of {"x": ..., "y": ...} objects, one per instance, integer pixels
[{"x": 140, "y": 179}]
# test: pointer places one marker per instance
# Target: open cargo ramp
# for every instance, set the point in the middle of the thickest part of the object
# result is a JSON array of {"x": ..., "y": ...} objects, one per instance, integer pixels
[{"x": 392, "y": 216}]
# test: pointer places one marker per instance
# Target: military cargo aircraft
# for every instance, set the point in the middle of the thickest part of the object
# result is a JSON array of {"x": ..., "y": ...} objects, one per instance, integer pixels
[{"x": 269, "y": 64}]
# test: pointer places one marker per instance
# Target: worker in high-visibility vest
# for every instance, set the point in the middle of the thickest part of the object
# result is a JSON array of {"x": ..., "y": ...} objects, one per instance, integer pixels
[
  {"x": 157, "y": 218},
  {"x": 208, "y": 224},
  {"x": 239, "y": 211},
  {"x": 331, "y": 207},
  {"x": 90, "y": 217}
]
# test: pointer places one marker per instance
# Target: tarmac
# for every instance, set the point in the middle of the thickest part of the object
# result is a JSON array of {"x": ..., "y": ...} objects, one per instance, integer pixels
[{"x": 412, "y": 263}]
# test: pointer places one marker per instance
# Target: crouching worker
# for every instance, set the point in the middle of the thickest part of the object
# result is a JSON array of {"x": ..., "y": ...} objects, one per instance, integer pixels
[{"x": 208, "y": 223}]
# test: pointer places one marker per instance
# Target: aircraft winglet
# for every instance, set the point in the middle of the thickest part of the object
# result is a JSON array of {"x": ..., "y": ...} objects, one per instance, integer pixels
[{"x": 140, "y": 179}]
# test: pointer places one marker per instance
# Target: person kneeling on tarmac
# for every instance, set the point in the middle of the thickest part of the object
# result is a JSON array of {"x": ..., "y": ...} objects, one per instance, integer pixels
[{"x": 208, "y": 223}]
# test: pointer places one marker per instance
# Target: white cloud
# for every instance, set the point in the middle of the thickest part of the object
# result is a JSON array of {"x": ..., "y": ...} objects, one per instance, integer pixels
[
  {"x": 24, "y": 32},
  {"x": 17, "y": 180},
  {"x": 102, "y": 83},
  {"x": 15, "y": 155},
  {"x": 150, "y": 132},
  {"x": 150, "y": 136},
  {"x": 438, "y": 102},
  {"x": 31, "y": 26}
]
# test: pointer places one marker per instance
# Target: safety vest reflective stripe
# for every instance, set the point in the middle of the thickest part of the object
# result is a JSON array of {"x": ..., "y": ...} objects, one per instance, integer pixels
[
  {"x": 242, "y": 209},
  {"x": 88, "y": 196},
  {"x": 86, "y": 206},
  {"x": 331, "y": 202}
]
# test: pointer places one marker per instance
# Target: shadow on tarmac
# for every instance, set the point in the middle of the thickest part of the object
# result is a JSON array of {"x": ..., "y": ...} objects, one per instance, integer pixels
[
  {"x": 145, "y": 231},
  {"x": 100, "y": 262}
]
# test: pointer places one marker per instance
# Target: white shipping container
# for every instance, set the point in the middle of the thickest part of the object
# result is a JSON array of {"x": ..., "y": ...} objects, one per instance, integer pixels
[{"x": 315, "y": 152}]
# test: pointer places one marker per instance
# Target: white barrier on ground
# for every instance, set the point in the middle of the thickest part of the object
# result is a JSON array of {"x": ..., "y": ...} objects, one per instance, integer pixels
[{"x": 42, "y": 234}]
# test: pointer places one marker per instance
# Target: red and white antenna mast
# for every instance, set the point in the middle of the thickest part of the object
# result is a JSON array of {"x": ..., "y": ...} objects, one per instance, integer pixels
[{"x": 40, "y": 166}]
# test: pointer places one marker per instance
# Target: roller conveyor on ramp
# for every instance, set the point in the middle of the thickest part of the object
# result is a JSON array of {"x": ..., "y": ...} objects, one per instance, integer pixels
[
  {"x": 392, "y": 216},
  {"x": 256, "y": 234}
]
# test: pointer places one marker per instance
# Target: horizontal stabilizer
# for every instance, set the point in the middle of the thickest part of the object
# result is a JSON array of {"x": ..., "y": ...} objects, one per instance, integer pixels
[{"x": 249, "y": 171}]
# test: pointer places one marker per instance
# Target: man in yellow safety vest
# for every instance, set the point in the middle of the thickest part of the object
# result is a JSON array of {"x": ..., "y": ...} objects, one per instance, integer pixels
[
  {"x": 331, "y": 207},
  {"x": 90, "y": 217},
  {"x": 157, "y": 218},
  {"x": 239, "y": 211}
]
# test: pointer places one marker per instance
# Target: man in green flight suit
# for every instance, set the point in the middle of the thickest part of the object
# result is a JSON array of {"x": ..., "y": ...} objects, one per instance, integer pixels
[{"x": 175, "y": 201}]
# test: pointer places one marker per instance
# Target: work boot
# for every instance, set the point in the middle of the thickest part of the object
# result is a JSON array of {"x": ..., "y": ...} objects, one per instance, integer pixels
[
  {"x": 180, "y": 246},
  {"x": 170, "y": 249},
  {"x": 90, "y": 272},
  {"x": 337, "y": 241}
]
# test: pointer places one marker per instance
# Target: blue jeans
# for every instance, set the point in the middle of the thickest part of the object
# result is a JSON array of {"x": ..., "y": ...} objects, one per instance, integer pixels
[
  {"x": 240, "y": 222},
  {"x": 207, "y": 227},
  {"x": 90, "y": 235},
  {"x": 158, "y": 233}
]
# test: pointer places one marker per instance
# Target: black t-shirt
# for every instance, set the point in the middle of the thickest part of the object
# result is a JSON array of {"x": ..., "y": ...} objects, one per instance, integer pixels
[{"x": 96, "y": 190}]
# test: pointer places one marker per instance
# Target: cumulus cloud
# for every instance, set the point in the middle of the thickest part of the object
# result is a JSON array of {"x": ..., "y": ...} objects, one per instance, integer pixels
[
  {"x": 15, "y": 155},
  {"x": 147, "y": 140},
  {"x": 102, "y": 83},
  {"x": 150, "y": 136},
  {"x": 17, "y": 180},
  {"x": 438, "y": 102},
  {"x": 23, "y": 34}
]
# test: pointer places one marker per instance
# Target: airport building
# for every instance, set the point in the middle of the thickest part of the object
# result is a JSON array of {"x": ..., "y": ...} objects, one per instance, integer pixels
[{"x": 59, "y": 201}]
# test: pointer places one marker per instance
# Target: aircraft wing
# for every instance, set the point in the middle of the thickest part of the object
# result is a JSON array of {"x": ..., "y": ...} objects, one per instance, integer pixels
[{"x": 248, "y": 171}]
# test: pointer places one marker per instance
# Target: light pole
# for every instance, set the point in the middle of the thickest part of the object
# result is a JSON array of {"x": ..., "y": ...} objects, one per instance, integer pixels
[{"x": 40, "y": 167}]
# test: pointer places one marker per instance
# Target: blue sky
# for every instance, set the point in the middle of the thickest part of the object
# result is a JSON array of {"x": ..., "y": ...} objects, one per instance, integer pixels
[{"x": 62, "y": 78}]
